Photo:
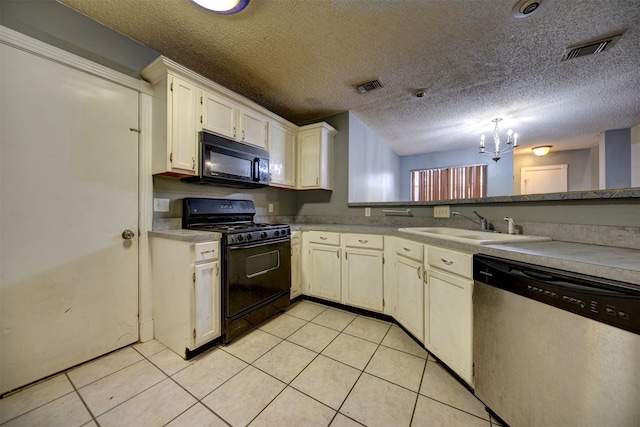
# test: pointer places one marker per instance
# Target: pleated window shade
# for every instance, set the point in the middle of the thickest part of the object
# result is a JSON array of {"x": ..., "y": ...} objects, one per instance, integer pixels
[{"x": 463, "y": 182}]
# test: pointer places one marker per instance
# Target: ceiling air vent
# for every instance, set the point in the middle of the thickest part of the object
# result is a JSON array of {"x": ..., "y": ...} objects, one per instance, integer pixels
[
  {"x": 590, "y": 48},
  {"x": 369, "y": 86}
]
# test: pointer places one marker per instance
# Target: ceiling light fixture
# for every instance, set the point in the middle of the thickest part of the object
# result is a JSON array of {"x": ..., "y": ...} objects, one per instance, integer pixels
[
  {"x": 223, "y": 7},
  {"x": 512, "y": 142},
  {"x": 542, "y": 150},
  {"x": 527, "y": 8}
]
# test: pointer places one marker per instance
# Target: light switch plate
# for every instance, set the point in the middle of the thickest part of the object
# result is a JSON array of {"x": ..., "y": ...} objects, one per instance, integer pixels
[
  {"x": 160, "y": 205},
  {"x": 367, "y": 211},
  {"x": 443, "y": 211},
  {"x": 270, "y": 207}
]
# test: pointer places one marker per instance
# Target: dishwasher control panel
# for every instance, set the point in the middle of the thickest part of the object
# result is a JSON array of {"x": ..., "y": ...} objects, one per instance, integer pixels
[{"x": 613, "y": 303}]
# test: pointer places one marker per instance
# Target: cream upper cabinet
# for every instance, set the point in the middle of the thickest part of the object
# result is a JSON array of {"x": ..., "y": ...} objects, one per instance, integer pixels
[
  {"x": 253, "y": 128},
  {"x": 223, "y": 116},
  {"x": 362, "y": 271},
  {"x": 321, "y": 272},
  {"x": 175, "y": 122},
  {"x": 282, "y": 156},
  {"x": 219, "y": 114},
  {"x": 449, "y": 309},
  {"x": 315, "y": 150},
  {"x": 409, "y": 275}
]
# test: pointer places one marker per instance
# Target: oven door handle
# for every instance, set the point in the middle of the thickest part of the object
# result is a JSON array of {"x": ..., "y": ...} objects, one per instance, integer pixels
[{"x": 258, "y": 244}]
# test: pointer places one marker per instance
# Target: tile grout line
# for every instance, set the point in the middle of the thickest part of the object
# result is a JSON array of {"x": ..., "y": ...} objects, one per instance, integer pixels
[{"x": 93, "y": 417}]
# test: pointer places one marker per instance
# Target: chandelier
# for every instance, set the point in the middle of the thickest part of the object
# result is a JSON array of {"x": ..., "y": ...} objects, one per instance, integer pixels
[{"x": 512, "y": 142}]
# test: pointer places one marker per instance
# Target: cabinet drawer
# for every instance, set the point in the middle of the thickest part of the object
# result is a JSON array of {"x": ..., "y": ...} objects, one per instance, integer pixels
[
  {"x": 459, "y": 263},
  {"x": 207, "y": 251},
  {"x": 409, "y": 249},
  {"x": 370, "y": 241},
  {"x": 323, "y": 237}
]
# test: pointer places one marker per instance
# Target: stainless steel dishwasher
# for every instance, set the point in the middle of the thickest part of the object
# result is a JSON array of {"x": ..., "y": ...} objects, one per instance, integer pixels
[{"x": 553, "y": 348}]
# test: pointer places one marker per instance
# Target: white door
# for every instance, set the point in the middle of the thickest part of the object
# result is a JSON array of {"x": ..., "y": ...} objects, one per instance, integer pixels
[
  {"x": 68, "y": 169},
  {"x": 543, "y": 179}
]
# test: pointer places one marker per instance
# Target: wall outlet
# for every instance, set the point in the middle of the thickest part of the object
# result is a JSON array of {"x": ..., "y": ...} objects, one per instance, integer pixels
[
  {"x": 270, "y": 207},
  {"x": 160, "y": 205},
  {"x": 367, "y": 211},
  {"x": 443, "y": 211}
]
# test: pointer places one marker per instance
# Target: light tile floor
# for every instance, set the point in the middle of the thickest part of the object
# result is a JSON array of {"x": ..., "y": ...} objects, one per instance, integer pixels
[{"x": 311, "y": 366}]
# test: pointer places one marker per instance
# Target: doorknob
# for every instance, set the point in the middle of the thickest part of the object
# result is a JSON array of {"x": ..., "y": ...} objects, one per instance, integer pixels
[{"x": 128, "y": 234}]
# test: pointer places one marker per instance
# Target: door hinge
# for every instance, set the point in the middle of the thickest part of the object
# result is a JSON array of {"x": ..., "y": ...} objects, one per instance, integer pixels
[
  {"x": 346, "y": 255},
  {"x": 201, "y": 119},
  {"x": 194, "y": 333},
  {"x": 382, "y": 259},
  {"x": 171, "y": 87},
  {"x": 201, "y": 102},
  {"x": 194, "y": 277},
  {"x": 170, "y": 157}
]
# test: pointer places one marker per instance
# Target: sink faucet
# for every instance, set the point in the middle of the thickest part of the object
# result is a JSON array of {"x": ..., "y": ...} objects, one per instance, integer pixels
[
  {"x": 482, "y": 223},
  {"x": 512, "y": 226}
]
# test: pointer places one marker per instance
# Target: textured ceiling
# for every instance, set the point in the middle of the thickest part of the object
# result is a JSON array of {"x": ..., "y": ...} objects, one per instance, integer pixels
[{"x": 300, "y": 58}]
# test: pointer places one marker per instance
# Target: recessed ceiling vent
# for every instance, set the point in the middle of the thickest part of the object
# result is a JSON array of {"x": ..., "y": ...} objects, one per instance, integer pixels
[
  {"x": 590, "y": 48},
  {"x": 369, "y": 86}
]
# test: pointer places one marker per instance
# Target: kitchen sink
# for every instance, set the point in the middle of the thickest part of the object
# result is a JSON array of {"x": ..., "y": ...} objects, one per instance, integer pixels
[{"x": 475, "y": 237}]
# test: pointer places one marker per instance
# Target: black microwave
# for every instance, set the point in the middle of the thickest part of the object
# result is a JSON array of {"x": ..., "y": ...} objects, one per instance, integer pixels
[{"x": 230, "y": 163}]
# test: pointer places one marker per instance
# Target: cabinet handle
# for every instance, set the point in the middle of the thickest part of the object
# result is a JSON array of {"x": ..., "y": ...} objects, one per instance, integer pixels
[
  {"x": 447, "y": 262},
  {"x": 406, "y": 249},
  {"x": 207, "y": 252},
  {"x": 323, "y": 238},
  {"x": 317, "y": 180},
  {"x": 193, "y": 161},
  {"x": 420, "y": 272},
  {"x": 243, "y": 135},
  {"x": 346, "y": 255},
  {"x": 217, "y": 269},
  {"x": 363, "y": 241},
  {"x": 338, "y": 253},
  {"x": 234, "y": 131}
]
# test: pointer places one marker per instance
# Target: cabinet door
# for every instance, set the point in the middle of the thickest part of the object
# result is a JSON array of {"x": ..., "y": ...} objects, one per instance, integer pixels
[
  {"x": 253, "y": 128},
  {"x": 362, "y": 276},
  {"x": 410, "y": 298},
  {"x": 309, "y": 160},
  {"x": 295, "y": 265},
  {"x": 206, "y": 303},
  {"x": 282, "y": 156},
  {"x": 219, "y": 115},
  {"x": 325, "y": 281},
  {"x": 183, "y": 125},
  {"x": 448, "y": 321}
]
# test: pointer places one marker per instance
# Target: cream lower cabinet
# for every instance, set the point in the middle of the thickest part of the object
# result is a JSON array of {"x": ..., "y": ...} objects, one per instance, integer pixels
[
  {"x": 321, "y": 273},
  {"x": 186, "y": 293},
  {"x": 363, "y": 271},
  {"x": 449, "y": 309},
  {"x": 409, "y": 275},
  {"x": 295, "y": 264}
]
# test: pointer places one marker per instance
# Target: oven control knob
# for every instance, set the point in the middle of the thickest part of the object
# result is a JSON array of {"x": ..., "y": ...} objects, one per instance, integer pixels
[
  {"x": 276, "y": 233},
  {"x": 240, "y": 239},
  {"x": 263, "y": 234},
  {"x": 248, "y": 236}
]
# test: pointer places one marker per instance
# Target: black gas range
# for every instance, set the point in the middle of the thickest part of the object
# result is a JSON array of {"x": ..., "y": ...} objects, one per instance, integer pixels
[{"x": 256, "y": 261}]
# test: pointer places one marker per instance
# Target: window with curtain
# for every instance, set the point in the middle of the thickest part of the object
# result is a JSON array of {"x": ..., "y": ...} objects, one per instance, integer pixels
[{"x": 462, "y": 182}]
